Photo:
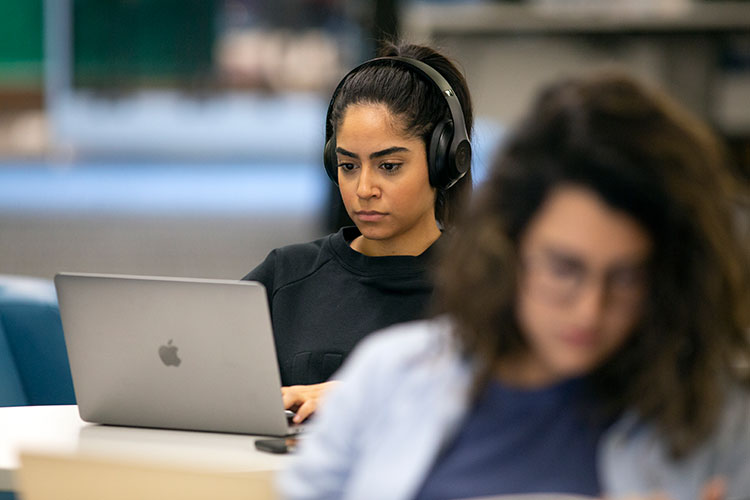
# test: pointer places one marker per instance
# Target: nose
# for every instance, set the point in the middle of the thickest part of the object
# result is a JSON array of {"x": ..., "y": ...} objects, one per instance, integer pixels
[
  {"x": 590, "y": 304},
  {"x": 367, "y": 184}
]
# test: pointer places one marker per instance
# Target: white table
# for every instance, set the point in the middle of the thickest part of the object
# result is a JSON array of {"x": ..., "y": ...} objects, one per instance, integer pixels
[{"x": 60, "y": 429}]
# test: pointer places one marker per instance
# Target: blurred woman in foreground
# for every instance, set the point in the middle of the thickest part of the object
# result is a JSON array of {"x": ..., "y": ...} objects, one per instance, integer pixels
[{"x": 594, "y": 339}]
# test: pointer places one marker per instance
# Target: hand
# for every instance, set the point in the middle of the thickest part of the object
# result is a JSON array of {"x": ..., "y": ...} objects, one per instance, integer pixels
[
  {"x": 715, "y": 489},
  {"x": 303, "y": 399}
]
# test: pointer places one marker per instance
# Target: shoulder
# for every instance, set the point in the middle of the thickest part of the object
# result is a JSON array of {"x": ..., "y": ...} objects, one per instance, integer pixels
[
  {"x": 633, "y": 454},
  {"x": 419, "y": 353},
  {"x": 387, "y": 403},
  {"x": 303, "y": 250},
  {"x": 403, "y": 389},
  {"x": 731, "y": 440},
  {"x": 302, "y": 253},
  {"x": 292, "y": 262},
  {"x": 733, "y": 424},
  {"x": 402, "y": 343}
]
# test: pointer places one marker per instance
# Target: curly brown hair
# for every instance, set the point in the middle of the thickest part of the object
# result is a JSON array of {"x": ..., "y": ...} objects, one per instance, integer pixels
[{"x": 647, "y": 156}]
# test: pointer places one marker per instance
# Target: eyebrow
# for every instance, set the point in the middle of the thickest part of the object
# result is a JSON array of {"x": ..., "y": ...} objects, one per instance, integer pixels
[
  {"x": 571, "y": 258},
  {"x": 376, "y": 154},
  {"x": 562, "y": 256}
]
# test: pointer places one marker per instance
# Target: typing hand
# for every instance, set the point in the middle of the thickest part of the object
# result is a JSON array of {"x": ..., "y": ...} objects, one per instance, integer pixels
[{"x": 303, "y": 399}]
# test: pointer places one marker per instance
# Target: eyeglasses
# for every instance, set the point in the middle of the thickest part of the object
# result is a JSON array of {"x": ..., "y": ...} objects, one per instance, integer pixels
[{"x": 559, "y": 279}]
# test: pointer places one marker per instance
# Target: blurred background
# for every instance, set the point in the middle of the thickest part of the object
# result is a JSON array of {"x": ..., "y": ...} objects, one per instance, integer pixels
[{"x": 184, "y": 137}]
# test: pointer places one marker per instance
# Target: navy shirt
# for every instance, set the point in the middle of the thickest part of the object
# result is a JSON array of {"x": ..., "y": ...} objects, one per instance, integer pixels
[{"x": 521, "y": 441}]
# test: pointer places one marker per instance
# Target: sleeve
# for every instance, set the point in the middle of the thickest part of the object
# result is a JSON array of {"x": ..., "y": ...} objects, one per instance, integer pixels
[
  {"x": 328, "y": 451},
  {"x": 636, "y": 460},
  {"x": 265, "y": 273},
  {"x": 733, "y": 446}
]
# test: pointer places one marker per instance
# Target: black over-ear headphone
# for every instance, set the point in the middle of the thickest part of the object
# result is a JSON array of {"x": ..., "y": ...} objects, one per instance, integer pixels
[{"x": 449, "y": 150}]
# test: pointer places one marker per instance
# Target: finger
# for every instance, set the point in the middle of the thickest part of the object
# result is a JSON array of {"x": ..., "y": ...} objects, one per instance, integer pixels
[
  {"x": 291, "y": 397},
  {"x": 304, "y": 411}
]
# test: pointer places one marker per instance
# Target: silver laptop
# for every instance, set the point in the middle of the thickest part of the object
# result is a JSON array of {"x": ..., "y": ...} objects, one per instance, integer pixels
[{"x": 177, "y": 353}]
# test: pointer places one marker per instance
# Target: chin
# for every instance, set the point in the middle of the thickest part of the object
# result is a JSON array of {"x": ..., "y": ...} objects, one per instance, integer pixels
[
  {"x": 578, "y": 368},
  {"x": 373, "y": 233}
]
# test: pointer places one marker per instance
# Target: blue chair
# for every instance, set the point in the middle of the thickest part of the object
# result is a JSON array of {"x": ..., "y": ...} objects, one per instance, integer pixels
[{"x": 34, "y": 367}]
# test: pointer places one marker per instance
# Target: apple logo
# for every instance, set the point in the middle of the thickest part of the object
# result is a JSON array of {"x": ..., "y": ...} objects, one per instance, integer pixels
[{"x": 168, "y": 354}]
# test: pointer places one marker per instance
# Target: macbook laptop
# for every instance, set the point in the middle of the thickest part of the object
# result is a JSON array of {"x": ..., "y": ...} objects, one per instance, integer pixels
[{"x": 179, "y": 353}]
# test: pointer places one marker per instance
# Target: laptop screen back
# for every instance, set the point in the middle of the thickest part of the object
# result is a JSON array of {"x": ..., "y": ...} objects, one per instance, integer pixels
[{"x": 172, "y": 352}]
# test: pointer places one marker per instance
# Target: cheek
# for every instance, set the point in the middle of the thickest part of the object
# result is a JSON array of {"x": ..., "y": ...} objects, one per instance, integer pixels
[
  {"x": 347, "y": 190},
  {"x": 415, "y": 193},
  {"x": 534, "y": 317},
  {"x": 619, "y": 328}
]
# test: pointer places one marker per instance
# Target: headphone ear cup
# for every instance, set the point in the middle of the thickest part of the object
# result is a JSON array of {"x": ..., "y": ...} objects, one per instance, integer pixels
[
  {"x": 330, "y": 160},
  {"x": 437, "y": 158},
  {"x": 459, "y": 161}
]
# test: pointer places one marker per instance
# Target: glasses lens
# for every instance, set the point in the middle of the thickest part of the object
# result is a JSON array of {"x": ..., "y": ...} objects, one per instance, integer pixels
[{"x": 553, "y": 278}]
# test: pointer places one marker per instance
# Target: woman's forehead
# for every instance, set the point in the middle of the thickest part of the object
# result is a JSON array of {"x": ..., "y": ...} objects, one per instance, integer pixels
[
  {"x": 576, "y": 220},
  {"x": 365, "y": 119}
]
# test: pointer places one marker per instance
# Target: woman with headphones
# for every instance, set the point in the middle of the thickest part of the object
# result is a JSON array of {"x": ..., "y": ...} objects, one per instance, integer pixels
[{"x": 397, "y": 146}]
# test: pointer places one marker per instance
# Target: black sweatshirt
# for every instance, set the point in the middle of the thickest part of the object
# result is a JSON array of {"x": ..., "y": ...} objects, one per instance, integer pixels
[{"x": 325, "y": 297}]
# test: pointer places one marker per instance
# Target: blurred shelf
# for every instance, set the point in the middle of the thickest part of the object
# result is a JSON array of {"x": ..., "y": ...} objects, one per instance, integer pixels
[
  {"x": 428, "y": 20},
  {"x": 19, "y": 98}
]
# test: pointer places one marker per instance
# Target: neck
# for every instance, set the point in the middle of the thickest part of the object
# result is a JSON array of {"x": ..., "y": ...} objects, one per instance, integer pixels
[{"x": 523, "y": 372}]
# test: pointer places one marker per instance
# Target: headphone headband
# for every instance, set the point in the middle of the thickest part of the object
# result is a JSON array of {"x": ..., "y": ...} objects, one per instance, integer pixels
[{"x": 444, "y": 172}]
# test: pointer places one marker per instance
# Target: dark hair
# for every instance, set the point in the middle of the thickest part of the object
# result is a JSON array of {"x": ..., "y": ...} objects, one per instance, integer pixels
[
  {"x": 644, "y": 155},
  {"x": 409, "y": 95}
]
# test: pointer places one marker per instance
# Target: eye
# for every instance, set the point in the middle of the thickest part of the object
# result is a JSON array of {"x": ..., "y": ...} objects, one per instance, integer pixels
[
  {"x": 390, "y": 168},
  {"x": 564, "y": 268},
  {"x": 347, "y": 167}
]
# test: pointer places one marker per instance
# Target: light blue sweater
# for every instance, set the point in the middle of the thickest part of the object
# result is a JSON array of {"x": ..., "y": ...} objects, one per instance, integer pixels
[{"x": 404, "y": 392}]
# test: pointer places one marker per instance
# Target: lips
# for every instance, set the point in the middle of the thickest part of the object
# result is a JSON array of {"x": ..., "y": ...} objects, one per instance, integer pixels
[
  {"x": 369, "y": 215},
  {"x": 580, "y": 338}
]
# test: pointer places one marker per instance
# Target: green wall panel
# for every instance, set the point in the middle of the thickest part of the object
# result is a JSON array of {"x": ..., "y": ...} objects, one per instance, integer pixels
[{"x": 21, "y": 35}]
